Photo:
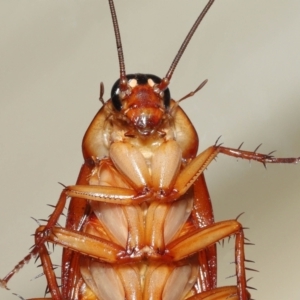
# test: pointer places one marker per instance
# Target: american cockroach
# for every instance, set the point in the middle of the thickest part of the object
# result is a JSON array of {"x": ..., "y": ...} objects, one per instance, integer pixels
[{"x": 241, "y": 198}]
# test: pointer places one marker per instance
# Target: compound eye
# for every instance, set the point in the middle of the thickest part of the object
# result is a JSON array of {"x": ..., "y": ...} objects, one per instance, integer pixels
[
  {"x": 115, "y": 92},
  {"x": 167, "y": 98},
  {"x": 115, "y": 97}
]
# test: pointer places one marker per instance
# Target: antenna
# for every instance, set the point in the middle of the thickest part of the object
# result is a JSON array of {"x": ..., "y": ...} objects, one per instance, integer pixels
[
  {"x": 123, "y": 80},
  {"x": 166, "y": 80}
]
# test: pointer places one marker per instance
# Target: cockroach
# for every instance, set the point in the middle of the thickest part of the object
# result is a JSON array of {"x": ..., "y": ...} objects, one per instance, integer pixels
[{"x": 241, "y": 201}]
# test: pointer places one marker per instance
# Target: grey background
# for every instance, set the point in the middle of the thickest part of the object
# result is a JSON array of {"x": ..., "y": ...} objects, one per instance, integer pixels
[{"x": 55, "y": 53}]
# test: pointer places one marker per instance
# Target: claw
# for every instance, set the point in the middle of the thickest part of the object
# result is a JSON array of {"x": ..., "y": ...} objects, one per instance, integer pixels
[{"x": 3, "y": 284}]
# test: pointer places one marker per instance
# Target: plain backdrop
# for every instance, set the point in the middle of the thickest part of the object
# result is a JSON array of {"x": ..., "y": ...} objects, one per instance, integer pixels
[{"x": 55, "y": 53}]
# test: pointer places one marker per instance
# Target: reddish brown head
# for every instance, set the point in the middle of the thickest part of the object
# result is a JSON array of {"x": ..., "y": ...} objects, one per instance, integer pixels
[{"x": 143, "y": 104}]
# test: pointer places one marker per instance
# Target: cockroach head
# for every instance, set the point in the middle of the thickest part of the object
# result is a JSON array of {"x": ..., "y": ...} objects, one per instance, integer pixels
[{"x": 142, "y": 103}]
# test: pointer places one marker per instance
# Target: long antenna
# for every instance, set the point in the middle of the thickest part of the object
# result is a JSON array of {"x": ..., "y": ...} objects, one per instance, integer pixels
[
  {"x": 165, "y": 82},
  {"x": 123, "y": 80}
]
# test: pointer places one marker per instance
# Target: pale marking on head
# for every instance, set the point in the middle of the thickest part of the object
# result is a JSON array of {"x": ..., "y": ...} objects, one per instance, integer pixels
[
  {"x": 151, "y": 82},
  {"x": 132, "y": 83}
]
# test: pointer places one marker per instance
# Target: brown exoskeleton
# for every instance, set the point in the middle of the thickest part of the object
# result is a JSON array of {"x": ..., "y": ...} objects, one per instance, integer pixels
[{"x": 129, "y": 134}]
